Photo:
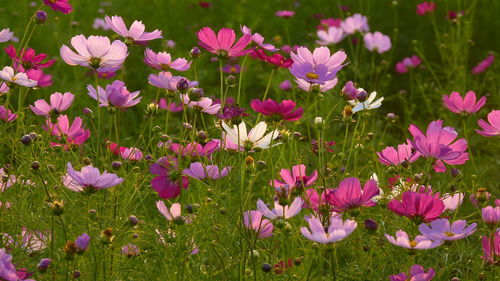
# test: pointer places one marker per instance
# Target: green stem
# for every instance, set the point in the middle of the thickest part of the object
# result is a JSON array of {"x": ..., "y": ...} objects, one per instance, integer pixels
[{"x": 240, "y": 79}]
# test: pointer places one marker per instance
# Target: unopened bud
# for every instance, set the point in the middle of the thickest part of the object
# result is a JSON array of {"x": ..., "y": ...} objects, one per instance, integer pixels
[
  {"x": 40, "y": 17},
  {"x": 195, "y": 52}
]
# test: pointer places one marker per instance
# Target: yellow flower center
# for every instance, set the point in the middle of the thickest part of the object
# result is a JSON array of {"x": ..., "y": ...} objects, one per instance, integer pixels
[
  {"x": 312, "y": 75},
  {"x": 449, "y": 234},
  {"x": 232, "y": 69},
  {"x": 413, "y": 243}
]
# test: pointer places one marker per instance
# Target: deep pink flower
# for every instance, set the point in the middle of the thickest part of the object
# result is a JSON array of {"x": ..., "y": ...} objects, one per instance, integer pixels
[
  {"x": 163, "y": 61},
  {"x": 201, "y": 171},
  {"x": 169, "y": 179},
  {"x": 423, "y": 206},
  {"x": 377, "y": 42},
  {"x": 313, "y": 200},
  {"x": 131, "y": 153},
  {"x": 456, "y": 104},
  {"x": 285, "y": 14},
  {"x": 89, "y": 179},
  {"x": 58, "y": 104},
  {"x": 135, "y": 34},
  {"x": 194, "y": 149},
  {"x": 115, "y": 94},
  {"x": 233, "y": 113},
  {"x": 223, "y": 45},
  {"x": 348, "y": 195},
  {"x": 491, "y": 248},
  {"x": 276, "y": 59},
  {"x": 355, "y": 23},
  {"x": 391, "y": 156},
  {"x": 335, "y": 231},
  {"x": 438, "y": 143},
  {"x": 441, "y": 229},
  {"x": 455, "y": 14},
  {"x": 6, "y": 114},
  {"x": 420, "y": 243},
  {"x": 30, "y": 58},
  {"x": 408, "y": 63},
  {"x": 285, "y": 110},
  {"x": 493, "y": 127},
  {"x": 324, "y": 24},
  {"x": 62, "y": 6},
  {"x": 95, "y": 52},
  {"x": 483, "y": 65},
  {"x": 295, "y": 178},
  {"x": 253, "y": 220},
  {"x": 417, "y": 273},
  {"x": 71, "y": 134},
  {"x": 42, "y": 79},
  {"x": 170, "y": 106},
  {"x": 425, "y": 8}
]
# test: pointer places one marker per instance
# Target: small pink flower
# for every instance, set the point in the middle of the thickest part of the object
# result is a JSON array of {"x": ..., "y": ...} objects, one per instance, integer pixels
[
  {"x": 417, "y": 273},
  {"x": 165, "y": 80},
  {"x": 131, "y": 153},
  {"x": 420, "y": 243},
  {"x": 441, "y": 229},
  {"x": 451, "y": 202},
  {"x": 423, "y": 206},
  {"x": 30, "y": 58},
  {"x": 6, "y": 115},
  {"x": 115, "y": 94},
  {"x": 194, "y": 149},
  {"x": 326, "y": 23},
  {"x": 135, "y": 34},
  {"x": 286, "y": 85},
  {"x": 6, "y": 35},
  {"x": 295, "y": 178},
  {"x": 491, "y": 247},
  {"x": 425, "y": 8},
  {"x": 285, "y": 14},
  {"x": 355, "y": 23},
  {"x": 377, "y": 42},
  {"x": 408, "y": 63},
  {"x": 285, "y": 110},
  {"x": 391, "y": 156},
  {"x": 42, "y": 79},
  {"x": 172, "y": 214},
  {"x": 223, "y": 45},
  {"x": 89, "y": 179},
  {"x": 170, "y": 106},
  {"x": 253, "y": 220},
  {"x": 62, "y": 6},
  {"x": 331, "y": 36},
  {"x": 279, "y": 210},
  {"x": 231, "y": 69},
  {"x": 201, "y": 171},
  {"x": 58, "y": 103},
  {"x": 492, "y": 128},
  {"x": 483, "y": 65},
  {"x": 204, "y": 104},
  {"x": 72, "y": 134},
  {"x": 334, "y": 232},
  {"x": 163, "y": 61},
  {"x": 349, "y": 195},
  {"x": 169, "y": 179},
  {"x": 491, "y": 215},
  {"x": 456, "y": 104}
]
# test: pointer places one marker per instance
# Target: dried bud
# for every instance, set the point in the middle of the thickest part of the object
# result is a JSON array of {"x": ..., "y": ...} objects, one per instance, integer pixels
[
  {"x": 152, "y": 109},
  {"x": 35, "y": 165},
  {"x": 266, "y": 267},
  {"x": 86, "y": 161},
  {"x": 57, "y": 207},
  {"x": 87, "y": 111},
  {"x": 249, "y": 160},
  {"x": 202, "y": 135},
  {"x": 133, "y": 220},
  {"x": 231, "y": 81},
  {"x": 187, "y": 126},
  {"x": 26, "y": 139},
  {"x": 371, "y": 225},
  {"x": 107, "y": 236},
  {"x": 116, "y": 165}
]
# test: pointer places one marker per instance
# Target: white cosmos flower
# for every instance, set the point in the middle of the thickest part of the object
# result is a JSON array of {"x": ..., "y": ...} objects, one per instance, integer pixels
[
  {"x": 237, "y": 136},
  {"x": 367, "y": 104},
  {"x": 20, "y": 78},
  {"x": 332, "y": 36},
  {"x": 280, "y": 211}
]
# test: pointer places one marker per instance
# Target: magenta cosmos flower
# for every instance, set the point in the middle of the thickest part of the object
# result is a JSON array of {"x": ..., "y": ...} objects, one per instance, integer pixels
[
  {"x": 469, "y": 104},
  {"x": 170, "y": 105},
  {"x": 194, "y": 149},
  {"x": 425, "y": 8},
  {"x": 135, "y": 34},
  {"x": 223, "y": 45},
  {"x": 30, "y": 58},
  {"x": 6, "y": 35},
  {"x": 62, "y": 6},
  {"x": 8, "y": 271},
  {"x": 491, "y": 215},
  {"x": 377, "y": 42},
  {"x": 314, "y": 201},
  {"x": 348, "y": 195},
  {"x": 285, "y": 110},
  {"x": 419, "y": 206},
  {"x": 6, "y": 114},
  {"x": 169, "y": 179},
  {"x": 491, "y": 248},
  {"x": 254, "y": 221},
  {"x": 201, "y": 171},
  {"x": 95, "y": 52},
  {"x": 420, "y": 243},
  {"x": 391, "y": 156},
  {"x": 492, "y": 128},
  {"x": 295, "y": 178},
  {"x": 280, "y": 211},
  {"x": 483, "y": 65},
  {"x": 355, "y": 23},
  {"x": 163, "y": 61},
  {"x": 438, "y": 143},
  {"x": 417, "y": 273},
  {"x": 116, "y": 94},
  {"x": 58, "y": 103},
  {"x": 71, "y": 134},
  {"x": 317, "y": 67},
  {"x": 441, "y": 229},
  {"x": 334, "y": 232},
  {"x": 408, "y": 63},
  {"x": 276, "y": 60},
  {"x": 285, "y": 14},
  {"x": 89, "y": 179},
  {"x": 131, "y": 153},
  {"x": 42, "y": 79}
]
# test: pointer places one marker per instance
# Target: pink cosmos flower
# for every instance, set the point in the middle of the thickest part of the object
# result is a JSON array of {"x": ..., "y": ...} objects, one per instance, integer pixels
[
  {"x": 6, "y": 114},
  {"x": 58, "y": 103},
  {"x": 331, "y": 36},
  {"x": 483, "y": 65},
  {"x": 334, "y": 232},
  {"x": 34, "y": 241},
  {"x": 95, "y": 52},
  {"x": 5, "y": 35},
  {"x": 71, "y": 134},
  {"x": 377, "y": 42},
  {"x": 116, "y": 94},
  {"x": 30, "y": 58},
  {"x": 276, "y": 59},
  {"x": 163, "y": 61},
  {"x": 491, "y": 248},
  {"x": 492, "y": 128},
  {"x": 279, "y": 210},
  {"x": 258, "y": 39},
  {"x": 169, "y": 179},
  {"x": 420, "y": 243},
  {"x": 285, "y": 110},
  {"x": 408, "y": 63},
  {"x": 194, "y": 149},
  {"x": 286, "y": 85},
  {"x": 204, "y": 104},
  {"x": 441, "y": 229},
  {"x": 201, "y": 171},
  {"x": 285, "y": 14},
  {"x": 131, "y": 153},
  {"x": 438, "y": 143},
  {"x": 100, "y": 23},
  {"x": 417, "y": 273},
  {"x": 314, "y": 201},
  {"x": 423, "y": 206},
  {"x": 391, "y": 156},
  {"x": 355, "y": 23},
  {"x": 42, "y": 79},
  {"x": 62, "y": 6},
  {"x": 222, "y": 44},
  {"x": 165, "y": 80},
  {"x": 172, "y": 214},
  {"x": 253, "y": 220},
  {"x": 8, "y": 74},
  {"x": 317, "y": 67},
  {"x": 425, "y": 8},
  {"x": 451, "y": 202},
  {"x": 135, "y": 34},
  {"x": 348, "y": 195},
  {"x": 491, "y": 215},
  {"x": 89, "y": 179},
  {"x": 306, "y": 86},
  {"x": 231, "y": 69},
  {"x": 170, "y": 106},
  {"x": 456, "y": 104},
  {"x": 295, "y": 178},
  {"x": 324, "y": 24}
]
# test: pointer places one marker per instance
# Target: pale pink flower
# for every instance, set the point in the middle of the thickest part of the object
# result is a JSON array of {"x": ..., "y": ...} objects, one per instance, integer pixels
[
  {"x": 136, "y": 32},
  {"x": 58, "y": 103},
  {"x": 163, "y": 61}
]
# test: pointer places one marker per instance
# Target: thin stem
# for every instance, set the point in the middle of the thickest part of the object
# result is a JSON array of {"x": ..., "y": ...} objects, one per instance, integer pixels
[{"x": 240, "y": 80}]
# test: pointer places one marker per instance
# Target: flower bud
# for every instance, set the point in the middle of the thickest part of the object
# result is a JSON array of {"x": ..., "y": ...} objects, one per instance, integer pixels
[
  {"x": 87, "y": 111},
  {"x": 371, "y": 225},
  {"x": 455, "y": 172},
  {"x": 195, "y": 52},
  {"x": 82, "y": 243},
  {"x": 266, "y": 267},
  {"x": 318, "y": 121},
  {"x": 362, "y": 95},
  {"x": 26, "y": 139},
  {"x": 187, "y": 126},
  {"x": 116, "y": 165},
  {"x": 152, "y": 109},
  {"x": 40, "y": 17},
  {"x": 231, "y": 81},
  {"x": 202, "y": 135},
  {"x": 182, "y": 85},
  {"x": 35, "y": 165},
  {"x": 57, "y": 207},
  {"x": 93, "y": 215},
  {"x": 133, "y": 220},
  {"x": 43, "y": 265},
  {"x": 349, "y": 91}
]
